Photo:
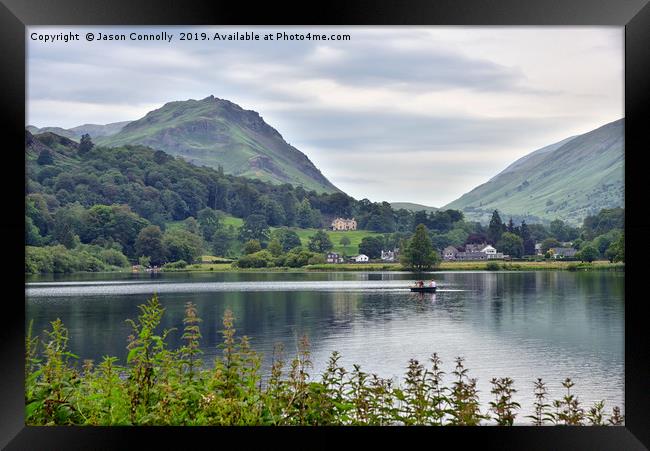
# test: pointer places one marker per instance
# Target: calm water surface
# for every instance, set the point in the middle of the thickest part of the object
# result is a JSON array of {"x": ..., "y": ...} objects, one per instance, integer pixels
[{"x": 523, "y": 325}]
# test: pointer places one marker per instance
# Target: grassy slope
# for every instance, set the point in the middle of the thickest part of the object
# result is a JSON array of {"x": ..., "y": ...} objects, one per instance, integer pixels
[
  {"x": 355, "y": 236},
  {"x": 575, "y": 179},
  {"x": 215, "y": 132}
]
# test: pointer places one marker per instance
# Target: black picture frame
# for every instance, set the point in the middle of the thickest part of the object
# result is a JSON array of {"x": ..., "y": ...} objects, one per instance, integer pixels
[{"x": 15, "y": 15}]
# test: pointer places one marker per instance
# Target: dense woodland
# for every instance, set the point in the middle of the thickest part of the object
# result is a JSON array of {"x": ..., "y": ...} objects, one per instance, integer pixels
[{"x": 91, "y": 208}]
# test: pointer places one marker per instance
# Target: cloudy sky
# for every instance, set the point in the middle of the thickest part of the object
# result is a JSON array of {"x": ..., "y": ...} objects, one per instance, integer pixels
[{"x": 395, "y": 113}]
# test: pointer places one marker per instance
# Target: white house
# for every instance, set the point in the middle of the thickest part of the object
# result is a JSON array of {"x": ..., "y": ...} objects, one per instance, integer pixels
[
  {"x": 390, "y": 256},
  {"x": 361, "y": 258},
  {"x": 490, "y": 251}
]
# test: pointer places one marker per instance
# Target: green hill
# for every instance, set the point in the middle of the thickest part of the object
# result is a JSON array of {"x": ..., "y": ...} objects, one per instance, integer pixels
[
  {"x": 215, "y": 132},
  {"x": 75, "y": 133},
  {"x": 412, "y": 207},
  {"x": 568, "y": 180}
]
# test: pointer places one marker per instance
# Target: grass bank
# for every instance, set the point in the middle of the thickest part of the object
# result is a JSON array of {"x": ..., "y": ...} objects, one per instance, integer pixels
[{"x": 444, "y": 266}]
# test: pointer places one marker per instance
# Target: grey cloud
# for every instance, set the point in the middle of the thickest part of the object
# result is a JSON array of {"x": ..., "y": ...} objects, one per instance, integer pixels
[{"x": 386, "y": 131}]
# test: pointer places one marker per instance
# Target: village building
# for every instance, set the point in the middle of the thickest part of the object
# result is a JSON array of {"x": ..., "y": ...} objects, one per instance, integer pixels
[
  {"x": 361, "y": 258},
  {"x": 390, "y": 256},
  {"x": 333, "y": 257},
  {"x": 472, "y": 252},
  {"x": 538, "y": 248},
  {"x": 344, "y": 224},
  {"x": 563, "y": 252}
]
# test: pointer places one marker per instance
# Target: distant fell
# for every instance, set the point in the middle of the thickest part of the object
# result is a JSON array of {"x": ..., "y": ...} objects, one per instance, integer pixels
[
  {"x": 409, "y": 206},
  {"x": 218, "y": 133},
  {"x": 568, "y": 180},
  {"x": 75, "y": 133}
]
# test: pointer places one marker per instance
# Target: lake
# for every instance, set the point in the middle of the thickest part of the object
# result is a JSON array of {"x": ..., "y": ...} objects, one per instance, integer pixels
[{"x": 523, "y": 325}]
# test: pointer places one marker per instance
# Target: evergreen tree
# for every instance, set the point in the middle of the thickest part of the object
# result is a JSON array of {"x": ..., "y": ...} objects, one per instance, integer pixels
[
  {"x": 529, "y": 243},
  {"x": 419, "y": 254},
  {"x": 495, "y": 229}
]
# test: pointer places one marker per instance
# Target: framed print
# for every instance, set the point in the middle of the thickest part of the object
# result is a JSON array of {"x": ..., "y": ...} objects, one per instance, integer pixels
[{"x": 379, "y": 215}]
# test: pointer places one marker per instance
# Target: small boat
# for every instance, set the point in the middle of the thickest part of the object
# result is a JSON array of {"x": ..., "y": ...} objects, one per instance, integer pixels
[{"x": 423, "y": 289}]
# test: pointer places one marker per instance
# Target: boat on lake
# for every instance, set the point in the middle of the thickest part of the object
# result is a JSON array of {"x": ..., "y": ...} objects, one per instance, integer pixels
[{"x": 423, "y": 289}]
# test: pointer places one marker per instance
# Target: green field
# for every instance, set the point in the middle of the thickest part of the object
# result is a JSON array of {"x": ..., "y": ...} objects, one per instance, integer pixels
[{"x": 355, "y": 236}]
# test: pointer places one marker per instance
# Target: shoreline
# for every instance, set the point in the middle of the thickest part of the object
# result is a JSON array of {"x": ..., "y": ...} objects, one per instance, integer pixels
[{"x": 397, "y": 267}]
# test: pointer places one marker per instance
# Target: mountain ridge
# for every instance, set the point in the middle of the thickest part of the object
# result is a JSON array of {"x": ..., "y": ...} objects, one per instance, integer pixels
[
  {"x": 75, "y": 133},
  {"x": 567, "y": 180},
  {"x": 219, "y": 133}
]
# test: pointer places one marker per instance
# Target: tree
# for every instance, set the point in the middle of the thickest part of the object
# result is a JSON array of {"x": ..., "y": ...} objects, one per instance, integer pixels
[
  {"x": 562, "y": 231},
  {"x": 476, "y": 238},
  {"x": 528, "y": 241},
  {"x": 371, "y": 246},
  {"x": 511, "y": 244},
  {"x": 603, "y": 222},
  {"x": 511, "y": 226},
  {"x": 222, "y": 240},
  {"x": 45, "y": 158},
  {"x": 419, "y": 254},
  {"x": 85, "y": 144},
  {"x": 275, "y": 247},
  {"x": 182, "y": 245},
  {"x": 420, "y": 217},
  {"x": 320, "y": 242},
  {"x": 620, "y": 255},
  {"x": 288, "y": 238},
  {"x": 495, "y": 229},
  {"x": 254, "y": 228},
  {"x": 588, "y": 253},
  {"x": 208, "y": 222},
  {"x": 252, "y": 246},
  {"x": 192, "y": 225},
  {"x": 112, "y": 223},
  {"x": 304, "y": 215},
  {"x": 149, "y": 243},
  {"x": 32, "y": 236},
  {"x": 345, "y": 242}
]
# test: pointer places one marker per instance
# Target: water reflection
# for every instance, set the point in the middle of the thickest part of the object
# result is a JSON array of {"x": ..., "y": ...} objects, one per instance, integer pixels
[{"x": 521, "y": 324}]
